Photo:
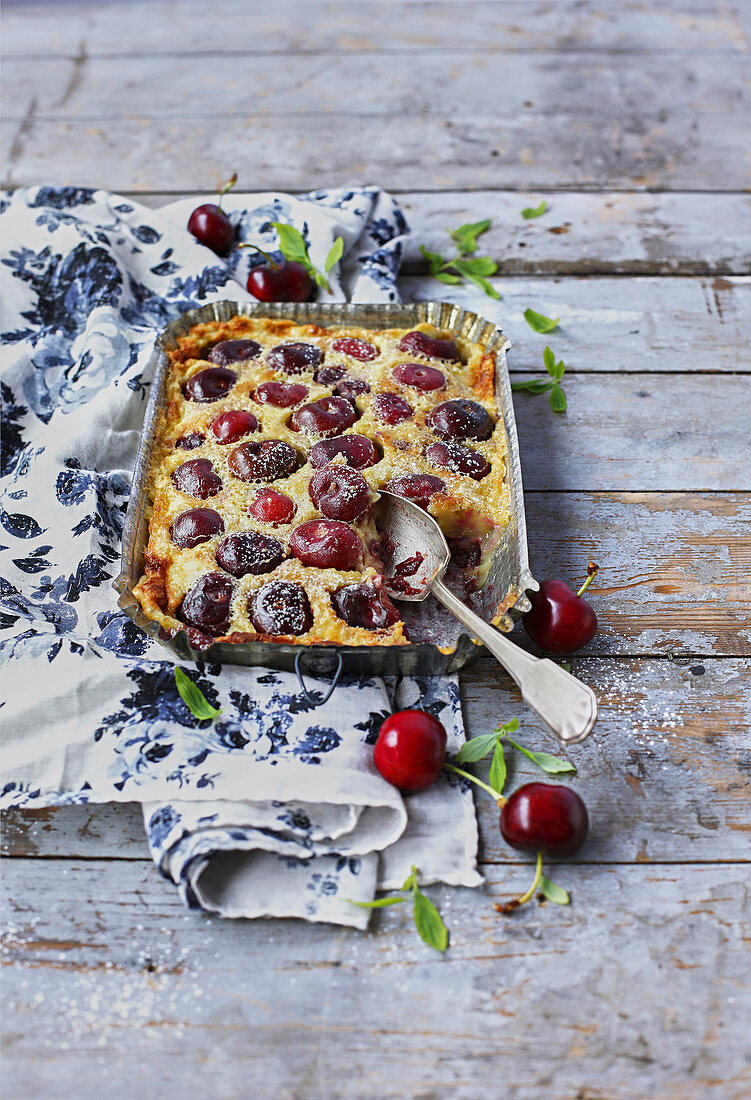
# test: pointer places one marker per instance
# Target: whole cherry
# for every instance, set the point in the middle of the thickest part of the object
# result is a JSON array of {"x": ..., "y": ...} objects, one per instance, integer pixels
[
  {"x": 210, "y": 225},
  {"x": 410, "y": 750},
  {"x": 560, "y": 620},
  {"x": 285, "y": 281},
  {"x": 545, "y": 817}
]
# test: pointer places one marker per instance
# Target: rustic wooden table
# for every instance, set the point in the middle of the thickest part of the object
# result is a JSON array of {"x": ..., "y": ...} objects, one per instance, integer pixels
[{"x": 629, "y": 120}]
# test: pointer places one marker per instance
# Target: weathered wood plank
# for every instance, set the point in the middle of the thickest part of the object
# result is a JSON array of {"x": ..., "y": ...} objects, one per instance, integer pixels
[
  {"x": 432, "y": 85},
  {"x": 638, "y": 989},
  {"x": 607, "y": 325},
  {"x": 673, "y": 150},
  {"x": 664, "y": 775},
  {"x": 611, "y": 233},
  {"x": 299, "y": 27},
  {"x": 639, "y": 433}
]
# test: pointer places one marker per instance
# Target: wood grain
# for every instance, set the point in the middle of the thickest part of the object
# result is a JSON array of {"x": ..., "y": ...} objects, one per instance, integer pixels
[
  {"x": 672, "y": 150},
  {"x": 37, "y": 30},
  {"x": 636, "y": 990},
  {"x": 664, "y": 774}
]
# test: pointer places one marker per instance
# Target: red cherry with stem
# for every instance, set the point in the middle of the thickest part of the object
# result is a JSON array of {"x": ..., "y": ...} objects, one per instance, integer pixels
[
  {"x": 410, "y": 750},
  {"x": 545, "y": 817},
  {"x": 287, "y": 281},
  {"x": 560, "y": 620},
  {"x": 210, "y": 225}
]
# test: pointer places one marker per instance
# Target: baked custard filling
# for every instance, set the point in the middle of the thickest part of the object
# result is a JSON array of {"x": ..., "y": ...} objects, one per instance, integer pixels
[{"x": 271, "y": 448}]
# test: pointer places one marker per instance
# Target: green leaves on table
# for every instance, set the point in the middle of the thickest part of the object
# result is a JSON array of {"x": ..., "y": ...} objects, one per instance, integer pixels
[
  {"x": 428, "y": 921},
  {"x": 293, "y": 247},
  {"x": 555, "y": 369},
  {"x": 534, "y": 211},
  {"x": 477, "y": 748},
  {"x": 193, "y": 697},
  {"x": 464, "y": 265},
  {"x": 552, "y": 892},
  {"x": 539, "y": 322}
]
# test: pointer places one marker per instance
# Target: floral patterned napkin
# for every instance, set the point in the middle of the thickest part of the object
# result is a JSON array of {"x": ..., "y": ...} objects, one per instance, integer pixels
[{"x": 275, "y": 808}]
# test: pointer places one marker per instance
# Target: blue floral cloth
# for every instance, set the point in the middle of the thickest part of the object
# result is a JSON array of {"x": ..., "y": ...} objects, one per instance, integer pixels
[{"x": 275, "y": 808}]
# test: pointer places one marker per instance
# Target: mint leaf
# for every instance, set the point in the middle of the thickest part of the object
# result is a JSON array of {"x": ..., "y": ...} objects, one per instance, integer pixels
[
  {"x": 508, "y": 727},
  {"x": 476, "y": 748},
  {"x": 335, "y": 254},
  {"x": 410, "y": 882},
  {"x": 378, "y": 903},
  {"x": 539, "y": 322},
  {"x": 428, "y": 923},
  {"x": 553, "y": 765},
  {"x": 552, "y": 892},
  {"x": 193, "y": 697},
  {"x": 477, "y": 265},
  {"x": 549, "y": 360},
  {"x": 292, "y": 244},
  {"x": 465, "y": 237},
  {"x": 534, "y": 211},
  {"x": 444, "y": 277},
  {"x": 435, "y": 259},
  {"x": 533, "y": 385},
  {"x": 484, "y": 285},
  {"x": 557, "y": 399},
  {"x": 497, "y": 777}
]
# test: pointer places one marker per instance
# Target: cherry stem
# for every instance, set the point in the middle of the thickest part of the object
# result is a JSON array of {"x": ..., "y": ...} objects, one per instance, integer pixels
[
  {"x": 592, "y": 570},
  {"x": 535, "y": 882},
  {"x": 265, "y": 255},
  {"x": 227, "y": 187},
  {"x": 473, "y": 778}
]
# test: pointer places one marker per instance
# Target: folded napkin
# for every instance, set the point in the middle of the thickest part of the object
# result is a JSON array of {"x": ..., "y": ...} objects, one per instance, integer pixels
[{"x": 275, "y": 808}]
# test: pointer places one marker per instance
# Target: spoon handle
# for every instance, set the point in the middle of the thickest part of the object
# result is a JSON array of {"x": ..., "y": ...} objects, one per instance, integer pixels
[{"x": 564, "y": 703}]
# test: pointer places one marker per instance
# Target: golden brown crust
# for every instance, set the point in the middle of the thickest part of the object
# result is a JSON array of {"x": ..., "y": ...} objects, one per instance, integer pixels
[{"x": 466, "y": 509}]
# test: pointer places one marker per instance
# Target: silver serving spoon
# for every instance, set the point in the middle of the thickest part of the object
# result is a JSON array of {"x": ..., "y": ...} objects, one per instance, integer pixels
[{"x": 564, "y": 703}]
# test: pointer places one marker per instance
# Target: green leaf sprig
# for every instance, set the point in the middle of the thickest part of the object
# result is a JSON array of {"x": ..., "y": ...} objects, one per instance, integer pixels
[
  {"x": 534, "y": 211},
  {"x": 557, "y": 398},
  {"x": 293, "y": 247},
  {"x": 464, "y": 265},
  {"x": 428, "y": 921},
  {"x": 477, "y": 748},
  {"x": 193, "y": 697}
]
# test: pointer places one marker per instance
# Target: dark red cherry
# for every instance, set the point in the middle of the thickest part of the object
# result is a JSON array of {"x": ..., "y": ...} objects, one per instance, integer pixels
[
  {"x": 196, "y": 526},
  {"x": 326, "y": 376},
  {"x": 280, "y": 394},
  {"x": 416, "y": 487},
  {"x": 339, "y": 492},
  {"x": 197, "y": 478},
  {"x": 351, "y": 387},
  {"x": 280, "y": 607},
  {"x": 419, "y": 377},
  {"x": 365, "y": 605},
  {"x": 207, "y": 605},
  {"x": 391, "y": 408},
  {"x": 410, "y": 750},
  {"x": 326, "y": 543},
  {"x": 233, "y": 425},
  {"x": 272, "y": 507},
  {"x": 294, "y": 358},
  {"x": 545, "y": 817},
  {"x": 460, "y": 419},
  {"x": 359, "y": 451},
  {"x": 560, "y": 621},
  {"x": 357, "y": 349},
  {"x": 210, "y": 384},
  {"x": 419, "y": 343},
  {"x": 249, "y": 552},
  {"x": 190, "y": 441},
  {"x": 210, "y": 225},
  {"x": 265, "y": 461},
  {"x": 326, "y": 416},
  {"x": 233, "y": 351},
  {"x": 461, "y": 460},
  {"x": 287, "y": 281}
]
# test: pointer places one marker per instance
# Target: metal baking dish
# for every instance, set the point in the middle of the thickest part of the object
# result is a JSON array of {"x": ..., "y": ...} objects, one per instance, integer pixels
[{"x": 443, "y": 647}]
